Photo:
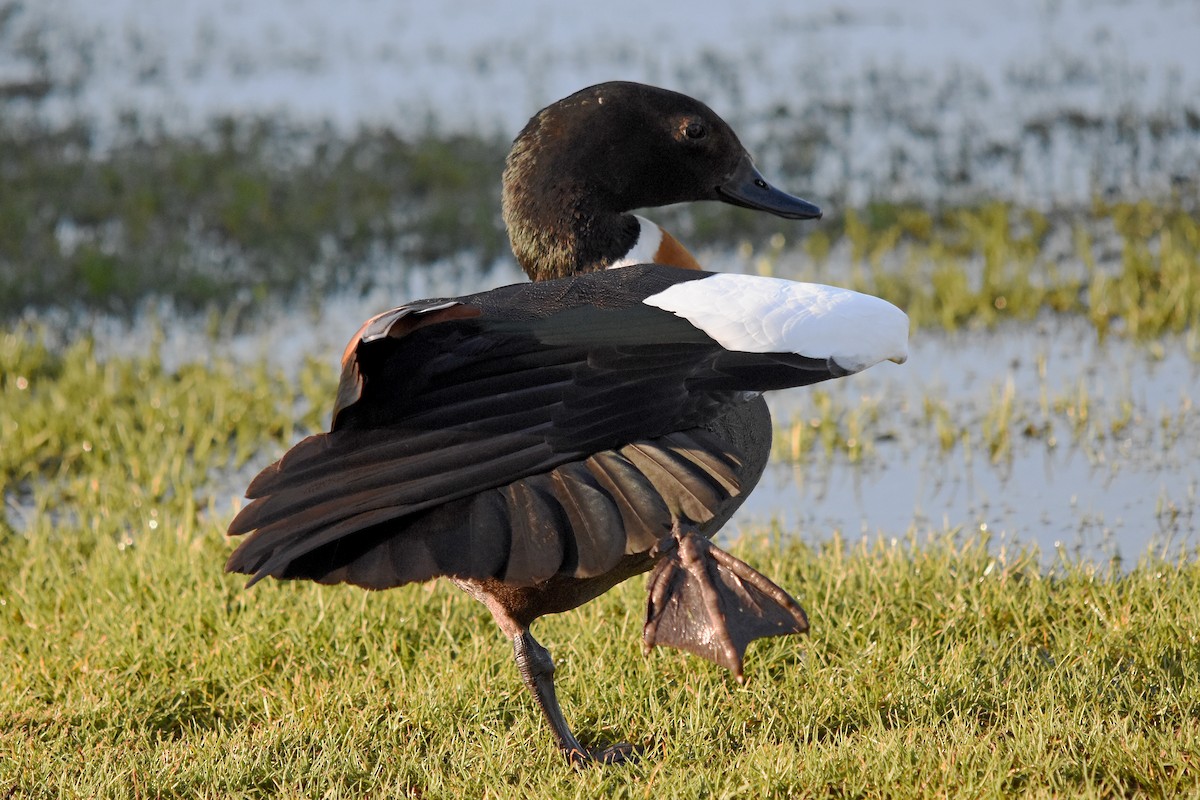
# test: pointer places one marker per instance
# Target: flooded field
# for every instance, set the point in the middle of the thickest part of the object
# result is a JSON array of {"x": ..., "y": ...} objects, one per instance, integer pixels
[
  {"x": 228, "y": 155},
  {"x": 1033, "y": 434},
  {"x": 997, "y": 543}
]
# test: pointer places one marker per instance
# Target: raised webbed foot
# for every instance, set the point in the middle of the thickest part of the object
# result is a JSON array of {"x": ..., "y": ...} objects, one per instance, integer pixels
[{"x": 705, "y": 601}]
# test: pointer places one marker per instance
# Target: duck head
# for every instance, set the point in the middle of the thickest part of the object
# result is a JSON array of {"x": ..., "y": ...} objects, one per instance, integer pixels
[{"x": 582, "y": 163}]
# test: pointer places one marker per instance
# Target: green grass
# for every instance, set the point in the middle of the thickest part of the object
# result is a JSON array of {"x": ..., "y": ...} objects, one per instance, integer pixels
[{"x": 133, "y": 667}]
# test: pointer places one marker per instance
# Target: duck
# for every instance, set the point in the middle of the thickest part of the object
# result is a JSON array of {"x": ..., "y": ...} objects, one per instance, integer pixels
[{"x": 540, "y": 443}]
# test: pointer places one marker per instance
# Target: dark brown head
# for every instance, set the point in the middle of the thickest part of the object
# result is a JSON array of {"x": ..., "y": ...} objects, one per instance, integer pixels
[{"x": 584, "y": 161}]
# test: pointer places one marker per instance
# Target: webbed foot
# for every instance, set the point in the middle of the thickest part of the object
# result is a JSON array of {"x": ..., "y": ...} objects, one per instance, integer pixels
[{"x": 707, "y": 602}]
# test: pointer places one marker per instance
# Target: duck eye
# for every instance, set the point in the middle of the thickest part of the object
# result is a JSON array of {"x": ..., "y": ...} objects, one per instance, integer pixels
[{"x": 695, "y": 130}]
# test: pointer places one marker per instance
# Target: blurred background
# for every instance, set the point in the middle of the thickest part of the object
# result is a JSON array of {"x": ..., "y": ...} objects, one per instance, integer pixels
[
  {"x": 252, "y": 178},
  {"x": 217, "y": 131}
]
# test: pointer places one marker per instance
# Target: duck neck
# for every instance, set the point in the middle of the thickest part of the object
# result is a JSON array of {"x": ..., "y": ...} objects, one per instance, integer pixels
[{"x": 553, "y": 237}]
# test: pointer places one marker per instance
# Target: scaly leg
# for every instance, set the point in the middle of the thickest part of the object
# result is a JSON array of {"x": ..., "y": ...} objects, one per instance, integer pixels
[{"x": 537, "y": 670}]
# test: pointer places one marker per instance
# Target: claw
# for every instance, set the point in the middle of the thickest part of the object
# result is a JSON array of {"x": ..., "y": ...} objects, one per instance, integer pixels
[
  {"x": 614, "y": 754},
  {"x": 705, "y": 601}
]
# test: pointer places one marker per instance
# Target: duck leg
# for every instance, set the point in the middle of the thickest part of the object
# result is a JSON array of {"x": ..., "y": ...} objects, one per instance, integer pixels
[
  {"x": 537, "y": 670},
  {"x": 709, "y": 603}
]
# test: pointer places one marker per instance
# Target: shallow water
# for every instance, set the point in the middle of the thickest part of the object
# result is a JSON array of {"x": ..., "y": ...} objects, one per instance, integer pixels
[
  {"x": 1098, "y": 493},
  {"x": 1040, "y": 102}
]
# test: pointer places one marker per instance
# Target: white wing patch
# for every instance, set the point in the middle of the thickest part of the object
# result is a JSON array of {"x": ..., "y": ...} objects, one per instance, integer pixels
[
  {"x": 752, "y": 314},
  {"x": 645, "y": 249}
]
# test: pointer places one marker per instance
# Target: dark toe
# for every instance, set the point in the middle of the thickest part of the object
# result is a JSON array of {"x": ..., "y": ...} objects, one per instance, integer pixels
[
  {"x": 614, "y": 754},
  {"x": 617, "y": 753}
]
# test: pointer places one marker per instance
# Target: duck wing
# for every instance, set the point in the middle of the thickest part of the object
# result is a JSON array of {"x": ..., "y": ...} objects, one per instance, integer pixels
[{"x": 518, "y": 433}]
